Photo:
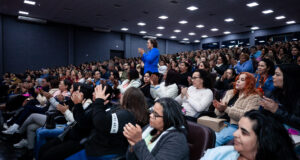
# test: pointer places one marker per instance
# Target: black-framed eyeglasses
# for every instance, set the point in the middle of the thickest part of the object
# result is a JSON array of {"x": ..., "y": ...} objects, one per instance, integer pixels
[
  {"x": 195, "y": 77},
  {"x": 155, "y": 114}
]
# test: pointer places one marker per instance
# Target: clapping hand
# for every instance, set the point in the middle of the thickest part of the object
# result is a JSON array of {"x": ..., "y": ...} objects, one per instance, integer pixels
[
  {"x": 141, "y": 51},
  {"x": 220, "y": 106},
  {"x": 132, "y": 133},
  {"x": 184, "y": 91},
  {"x": 46, "y": 94},
  {"x": 100, "y": 92},
  {"x": 62, "y": 108},
  {"x": 77, "y": 97},
  {"x": 269, "y": 104}
]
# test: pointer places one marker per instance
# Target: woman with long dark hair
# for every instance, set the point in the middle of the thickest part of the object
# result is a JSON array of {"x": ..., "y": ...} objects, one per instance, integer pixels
[
  {"x": 264, "y": 80},
  {"x": 164, "y": 138},
  {"x": 106, "y": 140},
  {"x": 168, "y": 88},
  {"x": 285, "y": 101},
  {"x": 258, "y": 137}
]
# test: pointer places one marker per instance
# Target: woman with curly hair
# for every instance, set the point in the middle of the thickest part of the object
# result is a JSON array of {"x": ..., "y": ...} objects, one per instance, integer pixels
[{"x": 236, "y": 102}]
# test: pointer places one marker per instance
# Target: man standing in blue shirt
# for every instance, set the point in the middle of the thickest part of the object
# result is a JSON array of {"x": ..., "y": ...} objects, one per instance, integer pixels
[{"x": 150, "y": 58}]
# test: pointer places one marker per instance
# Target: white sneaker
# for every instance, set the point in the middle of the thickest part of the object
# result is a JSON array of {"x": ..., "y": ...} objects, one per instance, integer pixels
[
  {"x": 5, "y": 126},
  {"x": 23, "y": 143},
  {"x": 12, "y": 129}
]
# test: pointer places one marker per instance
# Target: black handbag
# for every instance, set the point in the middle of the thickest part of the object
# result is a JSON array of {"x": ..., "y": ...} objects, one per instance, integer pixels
[{"x": 50, "y": 121}]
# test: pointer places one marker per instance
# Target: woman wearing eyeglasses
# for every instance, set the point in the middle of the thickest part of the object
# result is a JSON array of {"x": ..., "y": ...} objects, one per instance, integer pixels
[
  {"x": 164, "y": 138},
  {"x": 198, "y": 97}
]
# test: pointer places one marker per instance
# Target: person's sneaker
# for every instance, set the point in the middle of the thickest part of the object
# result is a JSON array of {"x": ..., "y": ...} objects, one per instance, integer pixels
[
  {"x": 23, "y": 143},
  {"x": 5, "y": 126},
  {"x": 12, "y": 129}
]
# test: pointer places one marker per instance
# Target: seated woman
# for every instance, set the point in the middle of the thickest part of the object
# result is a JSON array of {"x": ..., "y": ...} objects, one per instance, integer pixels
[
  {"x": 132, "y": 81},
  {"x": 145, "y": 87},
  {"x": 106, "y": 139},
  {"x": 222, "y": 64},
  {"x": 236, "y": 102},
  {"x": 264, "y": 80},
  {"x": 168, "y": 88},
  {"x": 164, "y": 138},
  {"x": 258, "y": 137},
  {"x": 33, "y": 106},
  {"x": 63, "y": 146},
  {"x": 225, "y": 82},
  {"x": 36, "y": 120},
  {"x": 198, "y": 97},
  {"x": 285, "y": 101},
  {"x": 244, "y": 64}
]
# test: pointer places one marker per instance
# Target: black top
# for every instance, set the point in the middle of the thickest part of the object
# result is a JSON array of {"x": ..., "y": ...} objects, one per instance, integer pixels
[
  {"x": 183, "y": 81},
  {"x": 107, "y": 137}
]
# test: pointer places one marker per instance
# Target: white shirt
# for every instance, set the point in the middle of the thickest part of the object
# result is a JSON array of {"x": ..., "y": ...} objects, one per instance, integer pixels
[
  {"x": 198, "y": 100},
  {"x": 160, "y": 91},
  {"x": 133, "y": 83},
  {"x": 162, "y": 69}
]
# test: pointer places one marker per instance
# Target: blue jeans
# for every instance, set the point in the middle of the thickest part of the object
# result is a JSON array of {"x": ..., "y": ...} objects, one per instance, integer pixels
[
  {"x": 81, "y": 155},
  {"x": 225, "y": 135},
  {"x": 42, "y": 134}
]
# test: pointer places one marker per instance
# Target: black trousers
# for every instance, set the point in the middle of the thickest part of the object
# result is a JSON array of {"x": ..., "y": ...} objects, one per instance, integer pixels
[{"x": 56, "y": 149}]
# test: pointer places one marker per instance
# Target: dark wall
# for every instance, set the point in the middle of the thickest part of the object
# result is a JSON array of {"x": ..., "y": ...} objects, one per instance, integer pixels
[
  {"x": 95, "y": 46},
  {"x": 29, "y": 45},
  {"x": 33, "y": 46}
]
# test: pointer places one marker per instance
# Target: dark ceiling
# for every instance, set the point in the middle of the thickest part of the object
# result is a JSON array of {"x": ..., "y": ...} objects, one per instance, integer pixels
[{"x": 115, "y": 14}]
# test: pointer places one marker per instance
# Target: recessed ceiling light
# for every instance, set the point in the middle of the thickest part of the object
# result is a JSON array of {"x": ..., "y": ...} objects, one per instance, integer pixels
[
  {"x": 124, "y": 29},
  {"x": 294, "y": 39},
  {"x": 173, "y": 37},
  {"x": 143, "y": 32},
  {"x": 280, "y": 17},
  {"x": 262, "y": 41},
  {"x": 254, "y": 28},
  {"x": 163, "y": 17},
  {"x": 192, "y": 8},
  {"x": 290, "y": 22},
  {"x": 226, "y": 32},
  {"x": 29, "y": 2},
  {"x": 185, "y": 39},
  {"x": 196, "y": 41},
  {"x": 141, "y": 24},
  {"x": 214, "y": 29},
  {"x": 177, "y": 30},
  {"x": 160, "y": 27},
  {"x": 204, "y": 36},
  {"x": 159, "y": 34},
  {"x": 253, "y": 4},
  {"x": 268, "y": 11},
  {"x": 192, "y": 33},
  {"x": 23, "y": 12},
  {"x": 229, "y": 20},
  {"x": 200, "y": 26},
  {"x": 183, "y": 22}
]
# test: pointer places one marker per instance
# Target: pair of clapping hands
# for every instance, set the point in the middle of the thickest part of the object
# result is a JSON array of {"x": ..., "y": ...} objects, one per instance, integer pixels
[{"x": 266, "y": 103}]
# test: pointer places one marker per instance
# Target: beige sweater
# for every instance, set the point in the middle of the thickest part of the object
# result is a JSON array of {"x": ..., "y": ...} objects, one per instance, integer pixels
[{"x": 240, "y": 107}]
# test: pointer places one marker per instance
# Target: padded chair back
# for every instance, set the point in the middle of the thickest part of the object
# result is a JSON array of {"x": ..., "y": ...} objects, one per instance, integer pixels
[{"x": 200, "y": 138}]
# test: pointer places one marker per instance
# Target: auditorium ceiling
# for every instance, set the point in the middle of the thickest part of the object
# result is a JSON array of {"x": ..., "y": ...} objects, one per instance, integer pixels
[{"x": 205, "y": 17}]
